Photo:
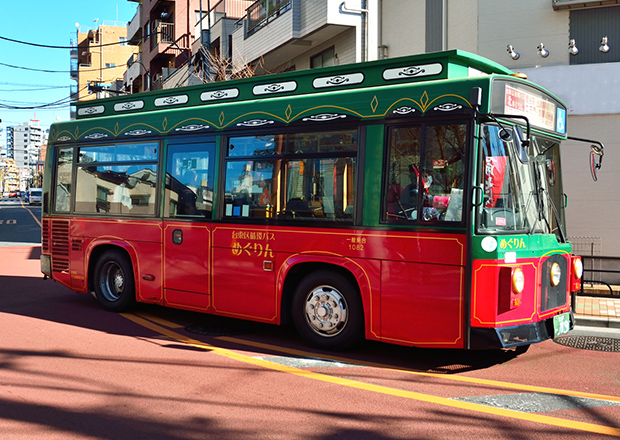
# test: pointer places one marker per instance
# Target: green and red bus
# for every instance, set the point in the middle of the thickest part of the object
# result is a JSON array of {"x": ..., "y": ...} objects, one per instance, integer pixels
[{"x": 415, "y": 201}]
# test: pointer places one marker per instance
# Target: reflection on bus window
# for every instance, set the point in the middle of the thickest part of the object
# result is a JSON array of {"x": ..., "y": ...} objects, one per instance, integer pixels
[
  {"x": 250, "y": 189},
  {"x": 293, "y": 176},
  {"x": 64, "y": 177},
  {"x": 117, "y": 179},
  {"x": 120, "y": 189},
  {"x": 426, "y": 173},
  {"x": 189, "y": 184}
]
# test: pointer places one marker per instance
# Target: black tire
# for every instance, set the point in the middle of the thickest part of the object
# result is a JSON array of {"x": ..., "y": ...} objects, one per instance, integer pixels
[
  {"x": 114, "y": 282},
  {"x": 327, "y": 311}
]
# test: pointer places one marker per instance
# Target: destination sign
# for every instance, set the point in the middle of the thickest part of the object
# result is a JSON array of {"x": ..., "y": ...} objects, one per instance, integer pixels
[{"x": 541, "y": 110}]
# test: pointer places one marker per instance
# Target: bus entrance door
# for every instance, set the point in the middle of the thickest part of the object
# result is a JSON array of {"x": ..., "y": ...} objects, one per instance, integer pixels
[
  {"x": 187, "y": 229},
  {"x": 186, "y": 266}
]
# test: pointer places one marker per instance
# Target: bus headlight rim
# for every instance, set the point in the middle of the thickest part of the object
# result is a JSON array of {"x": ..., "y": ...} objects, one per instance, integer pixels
[
  {"x": 555, "y": 274},
  {"x": 518, "y": 280},
  {"x": 578, "y": 268}
]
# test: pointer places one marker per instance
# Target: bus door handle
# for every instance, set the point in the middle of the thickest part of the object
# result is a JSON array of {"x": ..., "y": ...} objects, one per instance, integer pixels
[{"x": 477, "y": 195}]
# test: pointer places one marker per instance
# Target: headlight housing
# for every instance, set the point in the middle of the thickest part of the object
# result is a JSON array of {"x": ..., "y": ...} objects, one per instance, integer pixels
[
  {"x": 555, "y": 275},
  {"x": 578, "y": 268},
  {"x": 518, "y": 280}
]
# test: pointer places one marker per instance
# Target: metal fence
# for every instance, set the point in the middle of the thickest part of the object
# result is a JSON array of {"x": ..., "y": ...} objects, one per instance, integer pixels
[{"x": 601, "y": 276}]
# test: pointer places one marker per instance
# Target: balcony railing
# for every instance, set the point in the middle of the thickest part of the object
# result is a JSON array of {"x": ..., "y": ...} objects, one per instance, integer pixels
[
  {"x": 264, "y": 11},
  {"x": 162, "y": 33}
]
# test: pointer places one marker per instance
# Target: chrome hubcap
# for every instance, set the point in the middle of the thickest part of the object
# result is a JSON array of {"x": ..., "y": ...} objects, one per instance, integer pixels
[
  {"x": 326, "y": 311},
  {"x": 112, "y": 281}
]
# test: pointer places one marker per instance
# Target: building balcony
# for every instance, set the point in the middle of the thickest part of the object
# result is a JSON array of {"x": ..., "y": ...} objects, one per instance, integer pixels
[
  {"x": 135, "y": 69},
  {"x": 263, "y": 12},
  {"x": 277, "y": 30},
  {"x": 134, "y": 28},
  {"x": 162, "y": 36}
]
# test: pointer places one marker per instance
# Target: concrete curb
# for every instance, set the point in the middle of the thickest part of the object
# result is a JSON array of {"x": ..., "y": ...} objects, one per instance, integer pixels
[
  {"x": 595, "y": 321},
  {"x": 16, "y": 243}
]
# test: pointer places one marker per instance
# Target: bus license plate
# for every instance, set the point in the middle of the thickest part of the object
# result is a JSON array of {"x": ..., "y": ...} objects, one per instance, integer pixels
[{"x": 561, "y": 324}]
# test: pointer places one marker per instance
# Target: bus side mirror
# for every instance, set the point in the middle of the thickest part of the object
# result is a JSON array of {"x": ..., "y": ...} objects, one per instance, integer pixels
[{"x": 595, "y": 165}]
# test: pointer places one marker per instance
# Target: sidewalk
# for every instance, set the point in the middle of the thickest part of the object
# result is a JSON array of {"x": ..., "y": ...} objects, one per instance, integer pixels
[{"x": 598, "y": 312}]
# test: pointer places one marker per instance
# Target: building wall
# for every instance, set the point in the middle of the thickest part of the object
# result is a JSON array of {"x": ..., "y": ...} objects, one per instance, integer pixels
[
  {"x": 93, "y": 57},
  {"x": 462, "y": 21},
  {"x": 593, "y": 207},
  {"x": 403, "y": 26},
  {"x": 344, "y": 50},
  {"x": 524, "y": 24}
]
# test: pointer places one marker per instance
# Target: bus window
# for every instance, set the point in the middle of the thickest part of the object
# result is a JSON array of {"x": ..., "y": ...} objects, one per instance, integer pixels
[
  {"x": 404, "y": 175},
  {"x": 444, "y": 172},
  {"x": 425, "y": 179},
  {"x": 320, "y": 188},
  {"x": 64, "y": 176},
  {"x": 189, "y": 182},
  {"x": 250, "y": 189},
  {"x": 292, "y": 176},
  {"x": 117, "y": 179}
]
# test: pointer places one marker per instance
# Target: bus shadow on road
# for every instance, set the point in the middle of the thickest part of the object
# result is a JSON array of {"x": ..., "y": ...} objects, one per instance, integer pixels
[{"x": 45, "y": 299}]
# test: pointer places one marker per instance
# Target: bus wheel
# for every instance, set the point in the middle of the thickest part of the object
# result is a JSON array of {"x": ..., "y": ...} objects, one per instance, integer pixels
[
  {"x": 114, "y": 282},
  {"x": 327, "y": 311}
]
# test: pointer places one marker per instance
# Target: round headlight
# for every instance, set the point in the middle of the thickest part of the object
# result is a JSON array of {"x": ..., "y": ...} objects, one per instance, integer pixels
[
  {"x": 518, "y": 281},
  {"x": 578, "y": 268},
  {"x": 555, "y": 275}
]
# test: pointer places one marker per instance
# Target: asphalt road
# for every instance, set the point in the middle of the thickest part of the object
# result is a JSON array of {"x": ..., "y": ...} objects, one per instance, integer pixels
[
  {"x": 69, "y": 370},
  {"x": 19, "y": 222}
]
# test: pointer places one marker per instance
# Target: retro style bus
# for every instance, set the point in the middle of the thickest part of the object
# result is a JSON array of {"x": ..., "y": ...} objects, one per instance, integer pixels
[{"x": 415, "y": 201}]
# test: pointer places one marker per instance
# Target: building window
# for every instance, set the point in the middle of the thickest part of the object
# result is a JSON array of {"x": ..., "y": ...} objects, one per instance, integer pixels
[
  {"x": 323, "y": 59},
  {"x": 110, "y": 65}
]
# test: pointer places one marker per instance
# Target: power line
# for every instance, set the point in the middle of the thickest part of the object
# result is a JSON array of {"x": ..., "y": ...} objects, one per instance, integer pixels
[
  {"x": 58, "y": 71},
  {"x": 38, "y": 89},
  {"x": 61, "y": 103},
  {"x": 4, "y": 83},
  {"x": 48, "y": 46}
]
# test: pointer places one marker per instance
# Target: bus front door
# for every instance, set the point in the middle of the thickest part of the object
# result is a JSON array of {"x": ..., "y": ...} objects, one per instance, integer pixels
[{"x": 186, "y": 229}]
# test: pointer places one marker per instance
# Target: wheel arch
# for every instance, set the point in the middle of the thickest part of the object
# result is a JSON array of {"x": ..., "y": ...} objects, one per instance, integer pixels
[
  {"x": 296, "y": 268},
  {"x": 95, "y": 251}
]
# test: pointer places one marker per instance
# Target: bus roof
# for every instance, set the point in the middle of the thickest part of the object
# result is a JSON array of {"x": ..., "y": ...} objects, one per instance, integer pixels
[{"x": 417, "y": 68}]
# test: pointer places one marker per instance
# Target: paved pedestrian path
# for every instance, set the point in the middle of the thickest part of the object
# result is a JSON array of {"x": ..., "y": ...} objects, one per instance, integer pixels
[{"x": 598, "y": 307}]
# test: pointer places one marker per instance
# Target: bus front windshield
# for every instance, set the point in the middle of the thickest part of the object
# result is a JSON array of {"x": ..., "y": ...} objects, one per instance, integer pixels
[{"x": 520, "y": 196}]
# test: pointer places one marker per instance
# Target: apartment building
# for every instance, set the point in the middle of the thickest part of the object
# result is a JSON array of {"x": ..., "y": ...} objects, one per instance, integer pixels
[
  {"x": 99, "y": 57},
  {"x": 24, "y": 142},
  {"x": 170, "y": 35},
  {"x": 163, "y": 30}
]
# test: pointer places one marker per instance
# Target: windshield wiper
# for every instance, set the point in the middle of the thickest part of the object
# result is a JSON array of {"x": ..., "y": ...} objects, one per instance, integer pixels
[{"x": 541, "y": 192}]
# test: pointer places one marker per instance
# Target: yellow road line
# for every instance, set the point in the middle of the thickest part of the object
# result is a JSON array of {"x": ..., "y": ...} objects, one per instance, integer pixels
[
  {"x": 536, "y": 418},
  {"x": 477, "y": 381},
  {"x": 159, "y": 320},
  {"x": 33, "y": 216}
]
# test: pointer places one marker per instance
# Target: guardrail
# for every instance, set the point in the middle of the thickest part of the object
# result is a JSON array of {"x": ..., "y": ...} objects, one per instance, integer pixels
[{"x": 607, "y": 272}]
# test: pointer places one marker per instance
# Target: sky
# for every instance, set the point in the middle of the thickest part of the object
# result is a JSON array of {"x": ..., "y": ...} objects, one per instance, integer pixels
[{"x": 51, "y": 23}]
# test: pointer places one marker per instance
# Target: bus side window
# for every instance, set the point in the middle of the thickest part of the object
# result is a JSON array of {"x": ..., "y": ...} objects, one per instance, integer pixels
[
  {"x": 64, "y": 176},
  {"x": 444, "y": 171},
  {"x": 189, "y": 184},
  {"x": 401, "y": 198}
]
